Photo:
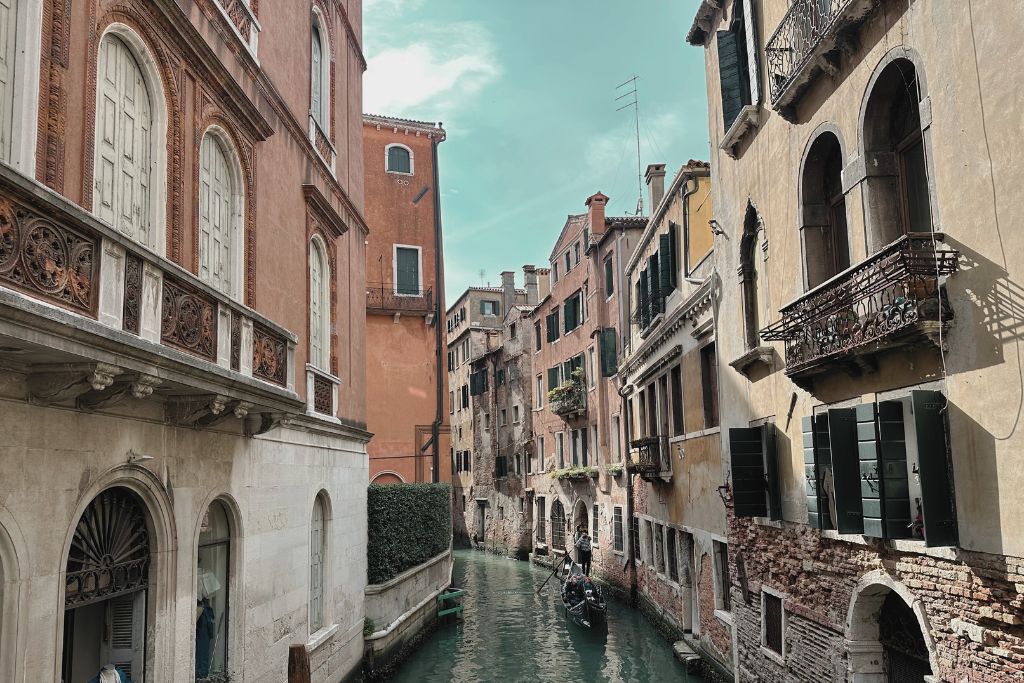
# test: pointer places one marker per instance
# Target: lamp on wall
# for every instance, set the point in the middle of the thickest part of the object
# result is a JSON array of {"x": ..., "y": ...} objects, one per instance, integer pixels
[
  {"x": 716, "y": 229},
  {"x": 723, "y": 492}
]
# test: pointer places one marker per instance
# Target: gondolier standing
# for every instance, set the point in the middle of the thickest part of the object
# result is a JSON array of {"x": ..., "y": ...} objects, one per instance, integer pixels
[{"x": 583, "y": 551}]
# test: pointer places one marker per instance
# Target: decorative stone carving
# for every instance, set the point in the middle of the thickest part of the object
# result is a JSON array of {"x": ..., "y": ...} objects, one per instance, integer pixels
[
  {"x": 236, "y": 341},
  {"x": 49, "y": 384},
  {"x": 132, "y": 293},
  {"x": 197, "y": 411},
  {"x": 139, "y": 386},
  {"x": 323, "y": 395},
  {"x": 188, "y": 319},
  {"x": 269, "y": 356}
]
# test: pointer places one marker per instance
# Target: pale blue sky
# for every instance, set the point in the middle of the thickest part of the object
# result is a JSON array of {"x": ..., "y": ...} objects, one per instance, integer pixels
[{"x": 526, "y": 91}]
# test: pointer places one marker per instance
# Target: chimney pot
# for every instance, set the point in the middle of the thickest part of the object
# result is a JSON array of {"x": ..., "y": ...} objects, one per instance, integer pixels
[{"x": 655, "y": 177}]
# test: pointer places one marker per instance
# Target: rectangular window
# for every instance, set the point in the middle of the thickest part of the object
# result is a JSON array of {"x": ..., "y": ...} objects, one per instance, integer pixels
[
  {"x": 529, "y": 463},
  {"x": 590, "y": 367},
  {"x": 594, "y": 525},
  {"x": 499, "y": 377},
  {"x": 540, "y": 454},
  {"x": 541, "y": 521},
  {"x": 709, "y": 384},
  {"x": 487, "y": 422},
  {"x": 670, "y": 555},
  {"x": 609, "y": 277},
  {"x": 504, "y": 417},
  {"x": 573, "y": 308},
  {"x": 677, "y": 400},
  {"x": 560, "y": 449},
  {"x": 540, "y": 391},
  {"x": 554, "y": 272},
  {"x": 723, "y": 584},
  {"x": 772, "y": 622},
  {"x": 407, "y": 271},
  {"x": 536, "y": 334},
  {"x": 617, "y": 529},
  {"x": 616, "y": 446},
  {"x": 515, "y": 414},
  {"x": 488, "y": 307},
  {"x": 451, "y": 402},
  {"x": 575, "y": 441},
  {"x": 659, "y": 548},
  {"x": 501, "y": 466},
  {"x": 512, "y": 331},
  {"x": 552, "y": 323},
  {"x": 468, "y": 455},
  {"x": 576, "y": 254},
  {"x": 568, "y": 261},
  {"x": 554, "y": 377},
  {"x": 465, "y": 396}
]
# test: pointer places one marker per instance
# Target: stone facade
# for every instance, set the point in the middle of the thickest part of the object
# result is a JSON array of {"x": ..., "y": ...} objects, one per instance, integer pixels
[
  {"x": 182, "y": 250},
  {"x": 893, "y": 551}
]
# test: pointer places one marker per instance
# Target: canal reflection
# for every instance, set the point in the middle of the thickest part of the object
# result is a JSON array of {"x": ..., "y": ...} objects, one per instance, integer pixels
[{"x": 510, "y": 633}]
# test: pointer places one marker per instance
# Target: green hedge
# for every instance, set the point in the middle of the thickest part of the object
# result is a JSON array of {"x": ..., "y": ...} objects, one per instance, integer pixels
[{"x": 407, "y": 524}]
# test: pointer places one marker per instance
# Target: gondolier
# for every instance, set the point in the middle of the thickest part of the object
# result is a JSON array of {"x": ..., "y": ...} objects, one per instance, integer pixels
[
  {"x": 583, "y": 551},
  {"x": 584, "y": 604}
]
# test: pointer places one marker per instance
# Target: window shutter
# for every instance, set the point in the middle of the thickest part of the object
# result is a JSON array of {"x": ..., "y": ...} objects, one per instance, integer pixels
[
  {"x": 609, "y": 278},
  {"x": 673, "y": 250},
  {"x": 842, "y": 433},
  {"x": 883, "y": 469},
  {"x": 8, "y": 59},
  {"x": 665, "y": 285},
  {"x": 933, "y": 464},
  {"x": 817, "y": 468},
  {"x": 609, "y": 356},
  {"x": 315, "y": 71},
  {"x": 552, "y": 378},
  {"x": 750, "y": 30},
  {"x": 653, "y": 290},
  {"x": 583, "y": 446},
  {"x": 771, "y": 461},
  {"x": 747, "y": 463},
  {"x": 645, "y": 311},
  {"x": 729, "y": 73}
]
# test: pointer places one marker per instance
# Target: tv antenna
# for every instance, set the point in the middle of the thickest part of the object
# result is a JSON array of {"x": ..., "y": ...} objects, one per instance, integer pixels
[
  {"x": 634, "y": 102},
  {"x": 483, "y": 274}
]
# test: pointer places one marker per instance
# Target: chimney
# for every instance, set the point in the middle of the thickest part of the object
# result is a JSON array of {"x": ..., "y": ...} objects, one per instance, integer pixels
[
  {"x": 655, "y": 177},
  {"x": 595, "y": 213},
  {"x": 543, "y": 283},
  {"x": 530, "y": 281},
  {"x": 508, "y": 291}
]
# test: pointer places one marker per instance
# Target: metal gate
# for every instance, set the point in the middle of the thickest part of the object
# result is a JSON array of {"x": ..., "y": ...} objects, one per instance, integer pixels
[{"x": 906, "y": 655}]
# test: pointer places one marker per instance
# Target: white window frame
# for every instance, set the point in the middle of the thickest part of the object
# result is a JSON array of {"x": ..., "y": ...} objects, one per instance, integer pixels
[
  {"x": 778, "y": 657},
  {"x": 317, "y": 249},
  {"x": 419, "y": 267},
  {"x": 220, "y": 137},
  {"x": 318, "y": 20},
  {"x": 412, "y": 159},
  {"x": 320, "y": 632},
  {"x": 540, "y": 392},
  {"x": 25, "y": 88},
  {"x": 540, "y": 453},
  {"x": 158, "y": 131},
  {"x": 591, "y": 382}
]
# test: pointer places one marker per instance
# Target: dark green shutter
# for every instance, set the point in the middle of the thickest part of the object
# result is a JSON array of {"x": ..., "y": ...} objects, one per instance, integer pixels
[
  {"x": 653, "y": 291},
  {"x": 817, "y": 467},
  {"x": 771, "y": 462},
  {"x": 883, "y": 470},
  {"x": 842, "y": 436},
  {"x": 609, "y": 356},
  {"x": 645, "y": 310},
  {"x": 609, "y": 278},
  {"x": 583, "y": 446},
  {"x": 730, "y": 74},
  {"x": 665, "y": 285},
  {"x": 408, "y": 276},
  {"x": 673, "y": 243},
  {"x": 747, "y": 464},
  {"x": 552, "y": 378},
  {"x": 933, "y": 464}
]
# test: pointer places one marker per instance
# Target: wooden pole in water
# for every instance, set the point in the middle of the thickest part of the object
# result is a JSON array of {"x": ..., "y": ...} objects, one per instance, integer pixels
[{"x": 298, "y": 664}]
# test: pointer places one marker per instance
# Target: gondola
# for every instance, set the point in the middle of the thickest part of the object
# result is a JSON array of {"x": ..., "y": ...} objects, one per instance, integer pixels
[{"x": 582, "y": 598}]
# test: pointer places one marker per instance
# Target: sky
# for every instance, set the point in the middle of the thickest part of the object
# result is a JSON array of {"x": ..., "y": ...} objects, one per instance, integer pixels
[{"x": 526, "y": 92}]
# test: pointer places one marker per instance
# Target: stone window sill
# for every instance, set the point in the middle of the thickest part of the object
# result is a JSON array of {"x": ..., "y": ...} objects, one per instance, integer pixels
[
  {"x": 749, "y": 118},
  {"x": 772, "y": 655},
  {"x": 757, "y": 355},
  {"x": 320, "y": 637},
  {"x": 724, "y": 617}
]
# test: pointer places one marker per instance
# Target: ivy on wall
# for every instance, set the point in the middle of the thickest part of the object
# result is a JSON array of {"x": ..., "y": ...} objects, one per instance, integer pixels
[{"x": 407, "y": 524}]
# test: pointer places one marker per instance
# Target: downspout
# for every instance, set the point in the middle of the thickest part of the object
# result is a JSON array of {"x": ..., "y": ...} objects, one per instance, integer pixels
[{"x": 435, "y": 429}]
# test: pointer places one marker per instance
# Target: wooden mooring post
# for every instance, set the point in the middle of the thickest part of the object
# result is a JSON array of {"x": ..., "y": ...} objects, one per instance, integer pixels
[{"x": 298, "y": 664}]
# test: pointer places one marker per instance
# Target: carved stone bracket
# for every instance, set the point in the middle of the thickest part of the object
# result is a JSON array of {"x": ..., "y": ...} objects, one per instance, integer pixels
[
  {"x": 206, "y": 410},
  {"x": 138, "y": 386},
  {"x": 48, "y": 384}
]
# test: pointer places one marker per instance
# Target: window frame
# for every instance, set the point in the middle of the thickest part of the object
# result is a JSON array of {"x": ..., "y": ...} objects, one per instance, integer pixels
[
  {"x": 320, "y": 503},
  {"x": 387, "y": 159},
  {"x": 419, "y": 267},
  {"x": 318, "y": 21},
  {"x": 317, "y": 249},
  {"x": 770, "y": 593}
]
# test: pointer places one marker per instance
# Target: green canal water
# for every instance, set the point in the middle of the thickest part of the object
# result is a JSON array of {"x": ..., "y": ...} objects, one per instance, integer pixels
[{"x": 510, "y": 633}]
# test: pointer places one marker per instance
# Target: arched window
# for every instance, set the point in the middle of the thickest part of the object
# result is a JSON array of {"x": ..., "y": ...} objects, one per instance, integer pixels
[
  {"x": 399, "y": 159},
  {"x": 319, "y": 307},
  {"x": 213, "y": 593},
  {"x": 557, "y": 524},
  {"x": 897, "y": 178},
  {"x": 317, "y": 560},
  {"x": 748, "y": 277},
  {"x": 319, "y": 74},
  {"x": 220, "y": 216},
  {"x": 126, "y": 191},
  {"x": 8, "y": 56},
  {"x": 903, "y": 645},
  {"x": 823, "y": 211}
]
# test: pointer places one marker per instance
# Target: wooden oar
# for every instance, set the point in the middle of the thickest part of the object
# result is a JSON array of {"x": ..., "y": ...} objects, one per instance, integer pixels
[{"x": 557, "y": 565}]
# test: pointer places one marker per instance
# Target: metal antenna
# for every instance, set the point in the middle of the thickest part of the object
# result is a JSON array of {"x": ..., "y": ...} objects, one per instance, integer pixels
[
  {"x": 635, "y": 103},
  {"x": 483, "y": 274}
]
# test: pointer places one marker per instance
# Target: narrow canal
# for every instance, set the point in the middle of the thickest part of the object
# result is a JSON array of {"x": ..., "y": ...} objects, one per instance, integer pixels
[{"x": 510, "y": 633}]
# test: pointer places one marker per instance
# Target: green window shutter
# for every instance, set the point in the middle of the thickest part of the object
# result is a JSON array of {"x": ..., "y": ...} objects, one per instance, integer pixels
[
  {"x": 883, "y": 469},
  {"x": 665, "y": 285},
  {"x": 609, "y": 278},
  {"x": 771, "y": 461},
  {"x": 673, "y": 250},
  {"x": 483, "y": 308},
  {"x": 933, "y": 463},
  {"x": 748, "y": 476},
  {"x": 817, "y": 468},
  {"x": 583, "y": 446},
  {"x": 654, "y": 276},
  {"x": 609, "y": 356},
  {"x": 407, "y": 262},
  {"x": 842, "y": 436},
  {"x": 730, "y": 71},
  {"x": 399, "y": 160},
  {"x": 645, "y": 311},
  {"x": 552, "y": 378}
]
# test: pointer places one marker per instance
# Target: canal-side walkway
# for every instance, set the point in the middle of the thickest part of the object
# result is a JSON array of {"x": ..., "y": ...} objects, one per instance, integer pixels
[{"x": 510, "y": 633}]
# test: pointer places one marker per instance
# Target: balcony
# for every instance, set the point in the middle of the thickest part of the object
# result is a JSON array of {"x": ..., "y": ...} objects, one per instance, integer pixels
[
  {"x": 94, "y": 319},
  {"x": 892, "y": 299},
  {"x": 807, "y": 43},
  {"x": 569, "y": 400},
  {"x": 384, "y": 298},
  {"x": 653, "y": 460},
  {"x": 242, "y": 19}
]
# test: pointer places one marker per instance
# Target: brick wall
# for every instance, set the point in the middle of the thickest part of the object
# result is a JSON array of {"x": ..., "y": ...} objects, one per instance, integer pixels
[{"x": 713, "y": 631}]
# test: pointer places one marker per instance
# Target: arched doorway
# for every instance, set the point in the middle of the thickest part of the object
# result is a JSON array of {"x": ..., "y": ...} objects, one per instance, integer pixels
[
  {"x": 906, "y": 655},
  {"x": 887, "y": 633},
  {"x": 557, "y": 525},
  {"x": 107, "y": 581}
]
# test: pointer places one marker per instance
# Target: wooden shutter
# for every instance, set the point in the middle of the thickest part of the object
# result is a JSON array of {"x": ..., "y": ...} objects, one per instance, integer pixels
[
  {"x": 399, "y": 160},
  {"x": 124, "y": 646},
  {"x": 609, "y": 355},
  {"x": 645, "y": 310},
  {"x": 935, "y": 472},
  {"x": 553, "y": 378},
  {"x": 753, "y": 60},
  {"x": 609, "y": 278},
  {"x": 842, "y": 433},
  {"x": 817, "y": 468},
  {"x": 746, "y": 446},
  {"x": 729, "y": 67},
  {"x": 583, "y": 446},
  {"x": 771, "y": 461},
  {"x": 315, "y": 77},
  {"x": 665, "y": 260},
  {"x": 653, "y": 288},
  {"x": 883, "y": 469},
  {"x": 407, "y": 262},
  {"x": 673, "y": 251},
  {"x": 8, "y": 57},
  {"x": 215, "y": 216}
]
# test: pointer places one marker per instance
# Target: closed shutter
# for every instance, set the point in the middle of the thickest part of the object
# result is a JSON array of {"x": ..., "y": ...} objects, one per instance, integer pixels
[
  {"x": 215, "y": 216},
  {"x": 315, "y": 77},
  {"x": 399, "y": 160},
  {"x": 316, "y": 568},
  {"x": 817, "y": 470},
  {"x": 653, "y": 287},
  {"x": 665, "y": 264},
  {"x": 933, "y": 462},
  {"x": 842, "y": 432},
  {"x": 883, "y": 469},
  {"x": 553, "y": 378},
  {"x": 645, "y": 309},
  {"x": 753, "y": 59},
  {"x": 673, "y": 243},
  {"x": 553, "y": 326},
  {"x": 8, "y": 55},
  {"x": 748, "y": 473},
  {"x": 317, "y": 309},
  {"x": 609, "y": 278},
  {"x": 124, "y": 645},
  {"x": 609, "y": 356},
  {"x": 771, "y": 462},
  {"x": 478, "y": 383},
  {"x": 123, "y": 143},
  {"x": 729, "y": 71},
  {"x": 407, "y": 262},
  {"x": 583, "y": 446}
]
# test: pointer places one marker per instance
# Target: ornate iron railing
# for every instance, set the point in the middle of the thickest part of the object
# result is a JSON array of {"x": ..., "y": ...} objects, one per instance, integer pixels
[
  {"x": 805, "y": 26},
  {"x": 384, "y": 296},
  {"x": 868, "y": 306},
  {"x": 649, "y": 455}
]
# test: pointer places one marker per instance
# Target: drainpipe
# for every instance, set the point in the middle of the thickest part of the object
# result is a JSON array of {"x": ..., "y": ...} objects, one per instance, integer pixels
[
  {"x": 435, "y": 429},
  {"x": 631, "y": 561}
]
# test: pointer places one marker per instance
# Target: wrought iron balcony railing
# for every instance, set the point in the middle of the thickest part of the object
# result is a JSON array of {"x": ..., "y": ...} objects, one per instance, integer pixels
[
  {"x": 800, "y": 48},
  {"x": 384, "y": 297},
  {"x": 568, "y": 399},
  {"x": 893, "y": 298},
  {"x": 652, "y": 456}
]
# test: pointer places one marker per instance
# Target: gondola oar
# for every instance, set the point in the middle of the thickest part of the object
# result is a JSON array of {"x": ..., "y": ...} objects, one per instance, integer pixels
[{"x": 557, "y": 565}]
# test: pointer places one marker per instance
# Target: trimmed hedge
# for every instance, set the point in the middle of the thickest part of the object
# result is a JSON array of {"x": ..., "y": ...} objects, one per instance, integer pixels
[{"x": 407, "y": 524}]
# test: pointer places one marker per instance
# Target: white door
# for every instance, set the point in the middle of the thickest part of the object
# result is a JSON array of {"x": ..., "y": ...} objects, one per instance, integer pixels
[
  {"x": 8, "y": 23},
  {"x": 124, "y": 121},
  {"x": 216, "y": 219},
  {"x": 124, "y": 634}
]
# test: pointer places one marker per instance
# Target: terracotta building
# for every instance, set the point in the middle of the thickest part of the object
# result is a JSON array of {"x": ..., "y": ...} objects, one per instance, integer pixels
[
  {"x": 405, "y": 345},
  {"x": 864, "y": 160},
  {"x": 577, "y": 472},
  {"x": 182, "y": 255}
]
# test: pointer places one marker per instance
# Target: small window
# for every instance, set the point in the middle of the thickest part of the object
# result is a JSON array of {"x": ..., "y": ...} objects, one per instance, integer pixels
[
  {"x": 772, "y": 623},
  {"x": 540, "y": 391},
  {"x": 560, "y": 449},
  {"x": 595, "y": 525},
  {"x": 672, "y": 560},
  {"x": 515, "y": 414},
  {"x": 451, "y": 402},
  {"x": 488, "y": 307},
  {"x": 676, "y": 376},
  {"x": 541, "y": 521},
  {"x": 554, "y": 272},
  {"x": 504, "y": 417},
  {"x": 317, "y": 558},
  {"x": 659, "y": 548},
  {"x": 536, "y": 334},
  {"x": 709, "y": 385},
  {"x": 590, "y": 367},
  {"x": 576, "y": 254},
  {"x": 399, "y": 159},
  {"x": 723, "y": 600},
  {"x": 617, "y": 542},
  {"x": 634, "y": 539},
  {"x": 568, "y": 261},
  {"x": 540, "y": 453},
  {"x": 609, "y": 277},
  {"x": 512, "y": 331},
  {"x": 573, "y": 310},
  {"x": 487, "y": 422}
]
